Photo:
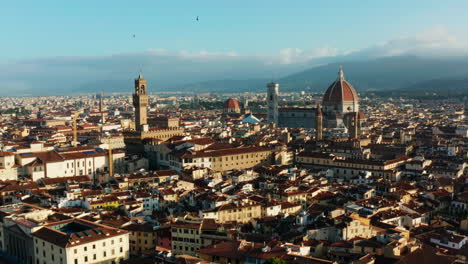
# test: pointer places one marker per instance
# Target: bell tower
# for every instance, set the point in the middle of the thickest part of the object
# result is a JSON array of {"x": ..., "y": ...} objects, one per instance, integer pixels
[
  {"x": 140, "y": 102},
  {"x": 272, "y": 102},
  {"x": 319, "y": 123}
]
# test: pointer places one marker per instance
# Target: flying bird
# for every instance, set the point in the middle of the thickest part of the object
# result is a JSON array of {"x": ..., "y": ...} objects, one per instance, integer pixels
[
  {"x": 197, "y": 18},
  {"x": 134, "y": 35}
]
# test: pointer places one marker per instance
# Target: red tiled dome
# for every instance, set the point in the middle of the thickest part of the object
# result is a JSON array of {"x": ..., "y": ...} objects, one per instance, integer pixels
[
  {"x": 231, "y": 103},
  {"x": 340, "y": 90}
]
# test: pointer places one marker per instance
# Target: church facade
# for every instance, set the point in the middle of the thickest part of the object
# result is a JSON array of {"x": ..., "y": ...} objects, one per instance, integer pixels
[{"x": 339, "y": 105}]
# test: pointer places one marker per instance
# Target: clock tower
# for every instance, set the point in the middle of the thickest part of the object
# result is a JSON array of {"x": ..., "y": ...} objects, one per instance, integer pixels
[{"x": 140, "y": 102}]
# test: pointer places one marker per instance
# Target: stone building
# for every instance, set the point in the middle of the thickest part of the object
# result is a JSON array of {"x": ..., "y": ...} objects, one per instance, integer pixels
[
  {"x": 133, "y": 138},
  {"x": 339, "y": 105}
]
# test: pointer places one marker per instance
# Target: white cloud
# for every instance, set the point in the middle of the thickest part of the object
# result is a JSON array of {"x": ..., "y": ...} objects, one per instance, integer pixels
[
  {"x": 187, "y": 66},
  {"x": 190, "y": 54},
  {"x": 434, "y": 42},
  {"x": 296, "y": 55}
]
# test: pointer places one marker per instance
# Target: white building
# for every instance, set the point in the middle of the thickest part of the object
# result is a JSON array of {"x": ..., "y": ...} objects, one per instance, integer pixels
[
  {"x": 8, "y": 168},
  {"x": 79, "y": 241},
  {"x": 68, "y": 162}
]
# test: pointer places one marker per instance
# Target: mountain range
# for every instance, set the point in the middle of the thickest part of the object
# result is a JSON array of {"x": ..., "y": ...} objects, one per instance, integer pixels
[{"x": 395, "y": 75}]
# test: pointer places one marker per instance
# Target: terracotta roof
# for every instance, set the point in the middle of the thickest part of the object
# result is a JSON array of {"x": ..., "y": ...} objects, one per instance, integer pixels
[
  {"x": 228, "y": 249},
  {"x": 94, "y": 232},
  {"x": 166, "y": 172},
  {"x": 209, "y": 224},
  {"x": 231, "y": 103},
  {"x": 6, "y": 153},
  {"x": 340, "y": 90},
  {"x": 225, "y": 152},
  {"x": 46, "y": 157},
  {"x": 82, "y": 178}
]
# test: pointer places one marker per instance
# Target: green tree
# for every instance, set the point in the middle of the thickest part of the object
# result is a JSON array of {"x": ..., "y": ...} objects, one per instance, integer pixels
[{"x": 275, "y": 261}]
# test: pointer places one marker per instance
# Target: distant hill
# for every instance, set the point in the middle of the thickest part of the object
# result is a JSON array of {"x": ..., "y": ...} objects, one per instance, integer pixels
[
  {"x": 223, "y": 86},
  {"x": 243, "y": 75},
  {"x": 383, "y": 74},
  {"x": 431, "y": 88},
  {"x": 390, "y": 73}
]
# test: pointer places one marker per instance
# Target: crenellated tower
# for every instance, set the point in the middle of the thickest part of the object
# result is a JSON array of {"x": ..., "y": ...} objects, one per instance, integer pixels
[{"x": 140, "y": 102}]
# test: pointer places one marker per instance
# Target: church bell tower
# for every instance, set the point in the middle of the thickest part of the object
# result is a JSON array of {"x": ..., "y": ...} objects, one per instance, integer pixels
[
  {"x": 272, "y": 102},
  {"x": 140, "y": 102}
]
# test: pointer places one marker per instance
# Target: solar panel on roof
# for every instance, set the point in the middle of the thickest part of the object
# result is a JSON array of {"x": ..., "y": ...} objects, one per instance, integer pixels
[
  {"x": 100, "y": 150},
  {"x": 86, "y": 233},
  {"x": 97, "y": 231},
  {"x": 79, "y": 235},
  {"x": 26, "y": 153},
  {"x": 89, "y": 152}
]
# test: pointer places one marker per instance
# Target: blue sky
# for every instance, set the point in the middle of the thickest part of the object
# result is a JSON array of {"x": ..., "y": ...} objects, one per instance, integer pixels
[{"x": 47, "y": 28}]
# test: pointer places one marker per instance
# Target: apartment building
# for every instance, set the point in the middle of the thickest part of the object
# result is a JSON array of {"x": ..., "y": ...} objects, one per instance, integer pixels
[
  {"x": 241, "y": 212},
  {"x": 78, "y": 241},
  {"x": 347, "y": 168},
  {"x": 142, "y": 237},
  {"x": 189, "y": 236},
  {"x": 223, "y": 159},
  {"x": 32, "y": 234},
  {"x": 185, "y": 237},
  {"x": 68, "y": 162}
]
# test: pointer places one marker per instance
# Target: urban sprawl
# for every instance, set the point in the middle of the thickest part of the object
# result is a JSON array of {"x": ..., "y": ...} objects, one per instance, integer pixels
[{"x": 254, "y": 178}]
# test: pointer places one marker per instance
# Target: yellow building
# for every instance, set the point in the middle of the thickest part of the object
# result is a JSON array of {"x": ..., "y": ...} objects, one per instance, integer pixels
[
  {"x": 347, "y": 167},
  {"x": 226, "y": 159},
  {"x": 185, "y": 238},
  {"x": 241, "y": 212},
  {"x": 288, "y": 208},
  {"x": 104, "y": 202},
  {"x": 142, "y": 237},
  {"x": 295, "y": 196}
]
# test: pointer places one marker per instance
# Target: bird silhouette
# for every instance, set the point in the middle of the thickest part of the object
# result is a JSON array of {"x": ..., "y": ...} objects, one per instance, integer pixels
[
  {"x": 133, "y": 35},
  {"x": 197, "y": 18}
]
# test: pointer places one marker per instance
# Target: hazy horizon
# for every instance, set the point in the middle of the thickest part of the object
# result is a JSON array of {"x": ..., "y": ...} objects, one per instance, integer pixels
[{"x": 51, "y": 44}]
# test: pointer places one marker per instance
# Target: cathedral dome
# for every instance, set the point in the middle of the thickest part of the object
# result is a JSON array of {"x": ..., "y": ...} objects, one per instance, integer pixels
[
  {"x": 340, "y": 90},
  {"x": 231, "y": 106}
]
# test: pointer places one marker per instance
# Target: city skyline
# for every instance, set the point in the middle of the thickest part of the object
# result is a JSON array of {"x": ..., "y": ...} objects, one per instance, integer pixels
[{"x": 233, "y": 132}]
